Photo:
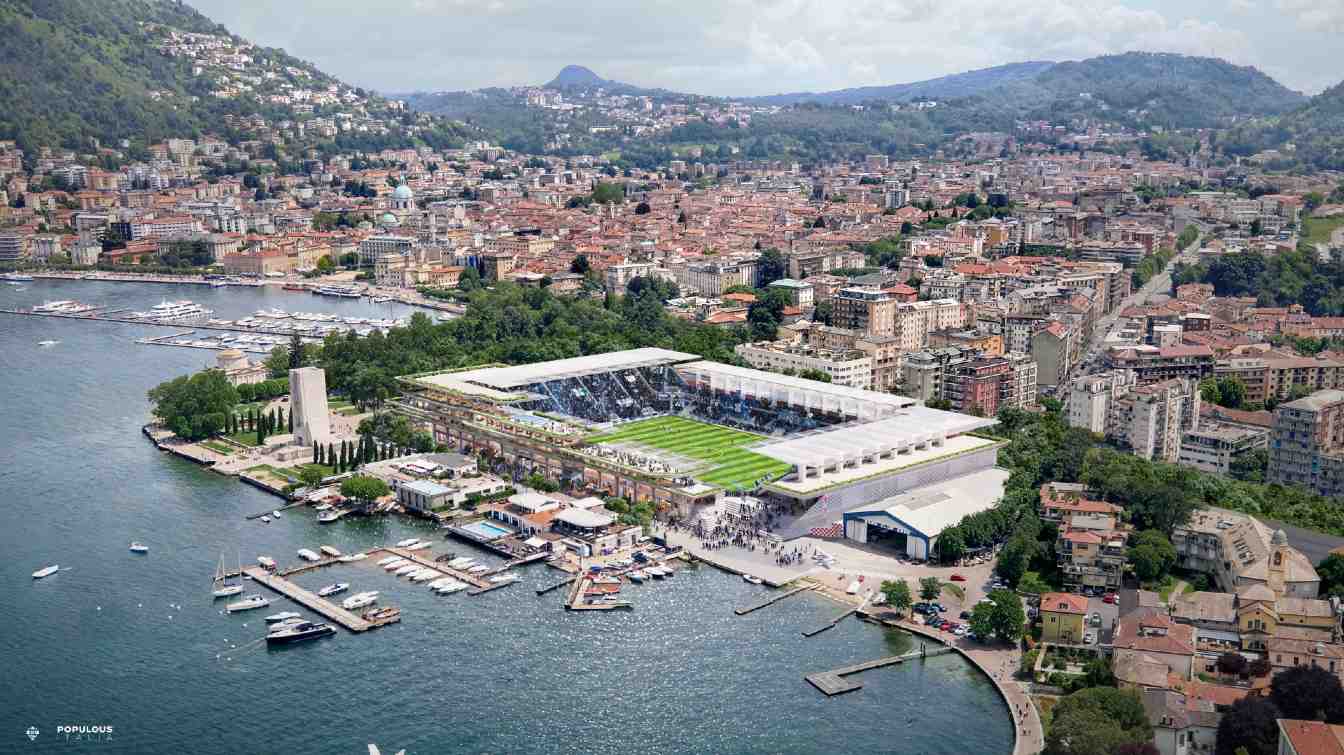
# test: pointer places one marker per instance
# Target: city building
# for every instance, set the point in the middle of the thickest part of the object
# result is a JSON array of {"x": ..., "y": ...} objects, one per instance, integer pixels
[
  {"x": 1237, "y": 551},
  {"x": 1213, "y": 447},
  {"x": 1307, "y": 443}
]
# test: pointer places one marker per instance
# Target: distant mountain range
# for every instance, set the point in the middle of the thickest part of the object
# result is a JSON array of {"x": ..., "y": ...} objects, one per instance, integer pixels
[{"x": 956, "y": 85}]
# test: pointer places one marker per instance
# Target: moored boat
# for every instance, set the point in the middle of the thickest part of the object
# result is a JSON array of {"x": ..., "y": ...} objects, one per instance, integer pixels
[
  {"x": 46, "y": 571},
  {"x": 360, "y": 600},
  {"x": 333, "y": 589},
  {"x": 300, "y": 632},
  {"x": 247, "y": 604},
  {"x": 330, "y": 551},
  {"x": 282, "y": 616}
]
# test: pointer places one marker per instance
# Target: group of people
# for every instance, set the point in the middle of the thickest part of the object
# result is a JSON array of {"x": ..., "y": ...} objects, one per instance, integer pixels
[{"x": 749, "y": 529}]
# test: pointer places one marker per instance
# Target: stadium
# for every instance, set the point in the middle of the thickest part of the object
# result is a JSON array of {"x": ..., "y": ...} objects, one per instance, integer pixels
[{"x": 661, "y": 425}]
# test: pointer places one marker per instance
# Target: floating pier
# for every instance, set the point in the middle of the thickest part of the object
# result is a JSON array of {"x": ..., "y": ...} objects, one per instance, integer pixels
[
  {"x": 772, "y": 600},
  {"x": 833, "y": 622},
  {"x": 476, "y": 581},
  {"x": 833, "y": 682},
  {"x": 556, "y": 586},
  {"x": 309, "y": 600}
]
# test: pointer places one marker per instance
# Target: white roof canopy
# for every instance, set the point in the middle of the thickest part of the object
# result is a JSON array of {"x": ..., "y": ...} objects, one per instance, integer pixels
[
  {"x": 526, "y": 374},
  {"x": 910, "y": 427}
]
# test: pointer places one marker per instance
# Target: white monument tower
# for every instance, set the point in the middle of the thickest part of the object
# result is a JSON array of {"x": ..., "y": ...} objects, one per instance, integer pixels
[{"x": 308, "y": 403}]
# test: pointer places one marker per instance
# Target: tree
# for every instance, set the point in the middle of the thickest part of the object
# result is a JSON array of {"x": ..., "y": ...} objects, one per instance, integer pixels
[
  {"x": 469, "y": 280},
  {"x": 194, "y": 406},
  {"x": 325, "y": 264},
  {"x": 897, "y": 593},
  {"x": 643, "y": 208},
  {"x": 1331, "y": 571},
  {"x": 1250, "y": 466},
  {"x": 1152, "y": 554},
  {"x": 930, "y": 588},
  {"x": 1249, "y": 725},
  {"x": 364, "y": 489},
  {"x": 982, "y": 621},
  {"x": 317, "y": 451},
  {"x": 1308, "y": 693},
  {"x": 1232, "y": 664},
  {"x": 1014, "y": 558},
  {"x": 1097, "y": 721},
  {"x": 770, "y": 266},
  {"x": 1007, "y": 617},
  {"x": 951, "y": 545},
  {"x": 311, "y": 476},
  {"x": 580, "y": 265},
  {"x": 607, "y": 193}
]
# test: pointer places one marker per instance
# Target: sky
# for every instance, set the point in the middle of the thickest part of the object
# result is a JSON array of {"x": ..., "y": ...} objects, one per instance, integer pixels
[{"x": 756, "y": 47}]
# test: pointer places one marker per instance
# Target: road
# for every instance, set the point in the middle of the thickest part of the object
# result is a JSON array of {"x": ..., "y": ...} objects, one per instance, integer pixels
[{"x": 1160, "y": 283}]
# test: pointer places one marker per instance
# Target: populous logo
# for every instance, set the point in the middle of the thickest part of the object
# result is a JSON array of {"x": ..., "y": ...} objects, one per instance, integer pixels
[
  {"x": 32, "y": 733},
  {"x": 85, "y": 732}
]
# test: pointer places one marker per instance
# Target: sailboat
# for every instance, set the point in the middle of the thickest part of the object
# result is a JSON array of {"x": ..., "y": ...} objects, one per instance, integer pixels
[{"x": 223, "y": 588}]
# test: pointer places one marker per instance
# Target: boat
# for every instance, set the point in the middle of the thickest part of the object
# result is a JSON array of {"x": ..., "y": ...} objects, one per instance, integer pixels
[
  {"x": 327, "y": 517},
  {"x": 46, "y": 571},
  {"x": 752, "y": 579},
  {"x": 339, "y": 587},
  {"x": 47, "y": 343},
  {"x": 418, "y": 546},
  {"x": 637, "y": 576},
  {"x": 382, "y": 614},
  {"x": 247, "y": 604},
  {"x": 266, "y": 562},
  {"x": 656, "y": 572},
  {"x": 301, "y": 632},
  {"x": 450, "y": 588},
  {"x": 441, "y": 581},
  {"x": 15, "y": 277},
  {"x": 330, "y": 551},
  {"x": 389, "y": 559},
  {"x": 461, "y": 563},
  {"x": 357, "y": 557},
  {"x": 405, "y": 569},
  {"x": 139, "y": 548},
  {"x": 322, "y": 507},
  {"x": 408, "y": 542},
  {"x": 175, "y": 311},
  {"x": 223, "y": 588},
  {"x": 478, "y": 569},
  {"x": 276, "y": 513},
  {"x": 506, "y": 577},
  {"x": 382, "y": 299},
  {"x": 308, "y": 555},
  {"x": 282, "y": 616},
  {"x": 349, "y": 558},
  {"x": 349, "y": 292},
  {"x": 265, "y": 520},
  {"x": 360, "y": 600},
  {"x": 424, "y": 575},
  {"x": 394, "y": 565},
  {"x": 288, "y": 622}
]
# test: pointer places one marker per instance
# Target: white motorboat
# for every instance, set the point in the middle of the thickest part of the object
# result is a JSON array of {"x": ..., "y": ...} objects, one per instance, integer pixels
[
  {"x": 265, "y": 520},
  {"x": 329, "y": 590},
  {"x": 46, "y": 571},
  {"x": 276, "y": 513},
  {"x": 424, "y": 575},
  {"x": 506, "y": 577},
  {"x": 637, "y": 576},
  {"x": 657, "y": 572},
  {"x": 360, "y": 600},
  {"x": 322, "y": 507},
  {"x": 461, "y": 562},
  {"x": 47, "y": 343},
  {"x": 327, "y": 517},
  {"x": 450, "y": 588},
  {"x": 752, "y": 579},
  {"x": 308, "y": 555},
  {"x": 478, "y": 569},
  {"x": 408, "y": 542},
  {"x": 441, "y": 581},
  {"x": 388, "y": 560},
  {"x": 139, "y": 548},
  {"x": 282, "y": 616},
  {"x": 405, "y": 569},
  {"x": 418, "y": 546},
  {"x": 394, "y": 565},
  {"x": 330, "y": 551},
  {"x": 266, "y": 562},
  {"x": 348, "y": 559},
  {"x": 357, "y": 557},
  {"x": 247, "y": 604},
  {"x": 227, "y": 591}
]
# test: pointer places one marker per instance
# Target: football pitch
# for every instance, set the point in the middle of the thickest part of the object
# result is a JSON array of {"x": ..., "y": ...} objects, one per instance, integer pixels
[{"x": 727, "y": 464}]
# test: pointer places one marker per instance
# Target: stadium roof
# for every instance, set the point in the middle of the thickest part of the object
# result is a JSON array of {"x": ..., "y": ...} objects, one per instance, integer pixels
[
  {"x": 526, "y": 374},
  {"x": 911, "y": 426},
  {"x": 814, "y": 387},
  {"x": 931, "y": 509}
]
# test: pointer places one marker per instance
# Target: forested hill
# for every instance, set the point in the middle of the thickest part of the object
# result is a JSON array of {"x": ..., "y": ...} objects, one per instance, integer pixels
[
  {"x": 941, "y": 88},
  {"x": 72, "y": 71}
]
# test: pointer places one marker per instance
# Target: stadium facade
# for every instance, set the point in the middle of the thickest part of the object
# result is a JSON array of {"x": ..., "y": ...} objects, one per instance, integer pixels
[{"x": 660, "y": 425}]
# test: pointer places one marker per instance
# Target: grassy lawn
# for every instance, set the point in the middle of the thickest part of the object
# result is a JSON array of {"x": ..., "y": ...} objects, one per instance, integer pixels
[
  {"x": 245, "y": 437},
  {"x": 1318, "y": 230},
  {"x": 955, "y": 590},
  {"x": 323, "y": 468},
  {"x": 217, "y": 447},
  {"x": 728, "y": 464}
]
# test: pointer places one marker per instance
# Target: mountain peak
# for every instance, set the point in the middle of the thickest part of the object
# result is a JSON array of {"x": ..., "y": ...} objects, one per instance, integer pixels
[{"x": 576, "y": 76}]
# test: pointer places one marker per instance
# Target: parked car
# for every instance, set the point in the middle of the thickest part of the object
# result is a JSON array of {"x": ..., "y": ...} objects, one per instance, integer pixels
[
  {"x": 958, "y": 578},
  {"x": 965, "y": 616},
  {"x": 1110, "y": 598},
  {"x": 1096, "y": 618}
]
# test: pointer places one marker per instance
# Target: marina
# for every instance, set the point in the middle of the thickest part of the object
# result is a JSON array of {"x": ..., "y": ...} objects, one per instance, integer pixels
[{"x": 321, "y": 606}]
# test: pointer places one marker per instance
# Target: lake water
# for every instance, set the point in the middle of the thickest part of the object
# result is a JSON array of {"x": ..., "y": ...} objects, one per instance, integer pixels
[{"x": 137, "y": 643}]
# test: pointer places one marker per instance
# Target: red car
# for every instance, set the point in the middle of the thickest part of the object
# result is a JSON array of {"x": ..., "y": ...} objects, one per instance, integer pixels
[
  {"x": 958, "y": 578},
  {"x": 1110, "y": 597}
]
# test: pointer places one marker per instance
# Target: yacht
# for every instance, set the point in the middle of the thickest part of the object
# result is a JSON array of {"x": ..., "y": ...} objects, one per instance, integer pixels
[
  {"x": 478, "y": 569},
  {"x": 15, "y": 277},
  {"x": 178, "y": 311},
  {"x": 301, "y": 632},
  {"x": 265, "y": 520},
  {"x": 395, "y": 564},
  {"x": 223, "y": 588},
  {"x": 656, "y": 572},
  {"x": 46, "y": 571},
  {"x": 308, "y": 555},
  {"x": 139, "y": 548},
  {"x": 276, "y": 513},
  {"x": 389, "y": 559},
  {"x": 226, "y": 591},
  {"x": 327, "y": 517},
  {"x": 349, "y": 292},
  {"x": 440, "y": 582},
  {"x": 247, "y": 604},
  {"x": 461, "y": 563},
  {"x": 450, "y": 587},
  {"x": 407, "y": 543},
  {"x": 330, "y": 590},
  {"x": 276, "y": 618},
  {"x": 424, "y": 575},
  {"x": 330, "y": 551},
  {"x": 360, "y": 600}
]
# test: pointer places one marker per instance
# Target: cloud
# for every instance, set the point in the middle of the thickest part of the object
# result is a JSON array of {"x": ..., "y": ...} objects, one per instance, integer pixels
[{"x": 746, "y": 47}]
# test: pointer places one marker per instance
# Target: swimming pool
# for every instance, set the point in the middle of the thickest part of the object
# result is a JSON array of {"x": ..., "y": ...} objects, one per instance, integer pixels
[{"x": 486, "y": 530}]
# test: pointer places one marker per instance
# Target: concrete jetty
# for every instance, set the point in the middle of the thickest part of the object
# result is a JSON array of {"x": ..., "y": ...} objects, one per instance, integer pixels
[
  {"x": 833, "y": 622},
  {"x": 309, "y": 600},
  {"x": 833, "y": 682},
  {"x": 772, "y": 600},
  {"x": 481, "y": 584}
]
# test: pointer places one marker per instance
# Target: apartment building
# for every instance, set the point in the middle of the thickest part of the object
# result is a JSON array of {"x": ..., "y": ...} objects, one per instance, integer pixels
[
  {"x": 713, "y": 278},
  {"x": 1152, "y": 364},
  {"x": 851, "y": 367},
  {"x": 1277, "y": 377},
  {"x": 12, "y": 247},
  {"x": 1213, "y": 447},
  {"x": 1090, "y": 397},
  {"x": 373, "y": 247},
  {"x": 1307, "y": 443},
  {"x": 618, "y": 276},
  {"x": 1152, "y": 419}
]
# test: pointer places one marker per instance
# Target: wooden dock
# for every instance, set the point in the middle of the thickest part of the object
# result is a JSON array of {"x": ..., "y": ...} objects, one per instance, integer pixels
[
  {"x": 833, "y": 622},
  {"x": 772, "y": 600},
  {"x": 309, "y": 600},
  {"x": 557, "y": 585},
  {"x": 482, "y": 585},
  {"x": 833, "y": 682}
]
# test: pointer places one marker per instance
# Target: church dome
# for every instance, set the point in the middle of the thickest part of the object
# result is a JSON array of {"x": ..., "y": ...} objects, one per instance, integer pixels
[
  {"x": 1279, "y": 538},
  {"x": 389, "y": 219},
  {"x": 403, "y": 192}
]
